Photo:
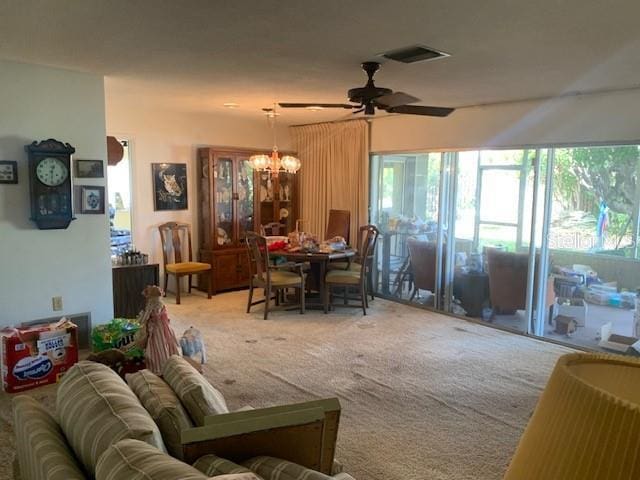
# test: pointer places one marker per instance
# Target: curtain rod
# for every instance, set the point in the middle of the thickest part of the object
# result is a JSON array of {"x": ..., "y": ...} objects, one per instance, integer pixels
[{"x": 332, "y": 121}]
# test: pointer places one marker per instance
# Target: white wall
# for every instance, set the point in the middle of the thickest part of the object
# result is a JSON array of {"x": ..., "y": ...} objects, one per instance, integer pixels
[
  {"x": 37, "y": 103},
  {"x": 167, "y": 136},
  {"x": 604, "y": 117}
]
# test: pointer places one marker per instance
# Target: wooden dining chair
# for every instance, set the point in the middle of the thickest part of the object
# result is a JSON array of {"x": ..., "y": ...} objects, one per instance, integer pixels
[
  {"x": 355, "y": 279},
  {"x": 358, "y": 260},
  {"x": 339, "y": 225},
  {"x": 173, "y": 235},
  {"x": 272, "y": 278}
]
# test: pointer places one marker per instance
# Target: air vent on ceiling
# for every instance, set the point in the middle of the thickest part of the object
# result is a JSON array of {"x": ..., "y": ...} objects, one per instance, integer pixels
[{"x": 414, "y": 53}]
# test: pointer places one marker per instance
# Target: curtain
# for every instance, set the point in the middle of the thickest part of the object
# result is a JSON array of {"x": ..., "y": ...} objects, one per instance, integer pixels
[{"x": 334, "y": 173}]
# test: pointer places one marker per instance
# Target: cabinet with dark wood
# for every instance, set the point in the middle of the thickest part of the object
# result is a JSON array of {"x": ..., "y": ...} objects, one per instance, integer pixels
[
  {"x": 232, "y": 200},
  {"x": 226, "y": 203},
  {"x": 128, "y": 283},
  {"x": 277, "y": 202}
]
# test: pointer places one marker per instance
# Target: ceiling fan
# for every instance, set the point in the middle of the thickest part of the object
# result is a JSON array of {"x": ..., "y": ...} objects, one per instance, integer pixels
[{"x": 366, "y": 99}]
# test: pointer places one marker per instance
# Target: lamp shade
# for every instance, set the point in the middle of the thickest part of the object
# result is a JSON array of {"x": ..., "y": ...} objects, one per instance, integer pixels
[{"x": 586, "y": 425}]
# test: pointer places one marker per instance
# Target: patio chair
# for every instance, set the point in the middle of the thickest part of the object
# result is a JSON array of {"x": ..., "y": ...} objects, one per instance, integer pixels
[
  {"x": 508, "y": 275},
  {"x": 422, "y": 263},
  {"x": 172, "y": 236},
  {"x": 353, "y": 279},
  {"x": 273, "y": 279}
]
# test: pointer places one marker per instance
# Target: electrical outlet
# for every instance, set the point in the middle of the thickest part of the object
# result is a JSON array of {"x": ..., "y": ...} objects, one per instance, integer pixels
[{"x": 56, "y": 302}]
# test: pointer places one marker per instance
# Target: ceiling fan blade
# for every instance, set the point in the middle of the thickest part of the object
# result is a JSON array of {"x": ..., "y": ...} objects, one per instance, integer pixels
[
  {"x": 421, "y": 110},
  {"x": 395, "y": 99},
  {"x": 321, "y": 105}
]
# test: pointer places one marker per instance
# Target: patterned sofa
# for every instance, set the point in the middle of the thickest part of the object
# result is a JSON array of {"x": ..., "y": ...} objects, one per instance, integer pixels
[{"x": 174, "y": 427}]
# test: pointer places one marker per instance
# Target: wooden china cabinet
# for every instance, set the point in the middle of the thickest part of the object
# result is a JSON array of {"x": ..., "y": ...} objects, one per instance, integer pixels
[
  {"x": 277, "y": 197},
  {"x": 229, "y": 205}
]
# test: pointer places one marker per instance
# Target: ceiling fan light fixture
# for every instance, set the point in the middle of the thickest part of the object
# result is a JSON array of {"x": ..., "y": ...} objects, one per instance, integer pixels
[
  {"x": 314, "y": 108},
  {"x": 230, "y": 105}
]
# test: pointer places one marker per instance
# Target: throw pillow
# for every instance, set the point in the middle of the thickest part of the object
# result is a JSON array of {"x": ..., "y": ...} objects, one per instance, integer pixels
[
  {"x": 212, "y": 466},
  {"x": 164, "y": 407},
  {"x": 197, "y": 395},
  {"x": 270, "y": 467},
  {"x": 96, "y": 409}
]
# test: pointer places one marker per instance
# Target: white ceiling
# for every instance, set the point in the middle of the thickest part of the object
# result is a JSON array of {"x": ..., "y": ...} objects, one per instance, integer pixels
[{"x": 197, "y": 54}]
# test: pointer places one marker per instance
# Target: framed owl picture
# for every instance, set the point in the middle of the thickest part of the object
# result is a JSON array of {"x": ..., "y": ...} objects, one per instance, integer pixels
[{"x": 169, "y": 186}]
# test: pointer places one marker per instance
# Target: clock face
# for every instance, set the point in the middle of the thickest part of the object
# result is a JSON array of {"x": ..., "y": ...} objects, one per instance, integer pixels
[{"x": 52, "y": 171}]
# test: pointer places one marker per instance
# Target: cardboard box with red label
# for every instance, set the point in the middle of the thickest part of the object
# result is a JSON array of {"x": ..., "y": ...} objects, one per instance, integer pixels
[{"x": 37, "y": 355}]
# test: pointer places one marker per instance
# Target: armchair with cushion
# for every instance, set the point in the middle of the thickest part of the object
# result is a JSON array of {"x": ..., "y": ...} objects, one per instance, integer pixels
[{"x": 508, "y": 275}]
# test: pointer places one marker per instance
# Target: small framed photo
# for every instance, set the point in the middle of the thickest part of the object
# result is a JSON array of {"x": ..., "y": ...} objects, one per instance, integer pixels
[
  {"x": 8, "y": 171},
  {"x": 91, "y": 199},
  {"x": 169, "y": 186},
  {"x": 89, "y": 168}
]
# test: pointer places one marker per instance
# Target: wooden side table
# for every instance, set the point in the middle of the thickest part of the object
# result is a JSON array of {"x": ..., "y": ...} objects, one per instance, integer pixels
[{"x": 128, "y": 283}]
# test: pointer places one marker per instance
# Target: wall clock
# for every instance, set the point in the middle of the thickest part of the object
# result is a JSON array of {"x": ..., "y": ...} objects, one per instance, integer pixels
[{"x": 50, "y": 183}]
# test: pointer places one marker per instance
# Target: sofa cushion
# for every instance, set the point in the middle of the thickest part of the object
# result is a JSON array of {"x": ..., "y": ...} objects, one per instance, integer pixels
[
  {"x": 270, "y": 468},
  {"x": 196, "y": 394},
  {"x": 135, "y": 460},
  {"x": 41, "y": 449},
  {"x": 96, "y": 409},
  {"x": 212, "y": 466},
  {"x": 163, "y": 405}
]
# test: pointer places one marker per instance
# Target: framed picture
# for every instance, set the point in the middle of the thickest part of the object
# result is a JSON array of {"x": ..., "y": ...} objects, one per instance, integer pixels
[
  {"x": 169, "y": 186},
  {"x": 89, "y": 169},
  {"x": 91, "y": 199},
  {"x": 8, "y": 171}
]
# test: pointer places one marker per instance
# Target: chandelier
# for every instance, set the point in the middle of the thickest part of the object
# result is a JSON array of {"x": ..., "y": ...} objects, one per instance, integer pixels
[{"x": 273, "y": 162}]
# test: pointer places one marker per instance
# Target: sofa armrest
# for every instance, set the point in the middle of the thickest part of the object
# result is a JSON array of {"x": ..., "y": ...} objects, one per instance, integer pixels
[{"x": 303, "y": 433}]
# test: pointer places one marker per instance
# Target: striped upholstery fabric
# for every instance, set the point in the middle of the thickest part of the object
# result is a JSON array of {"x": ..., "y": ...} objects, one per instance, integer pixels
[
  {"x": 164, "y": 407},
  {"x": 270, "y": 468},
  {"x": 96, "y": 408},
  {"x": 41, "y": 449},
  {"x": 196, "y": 394},
  {"x": 212, "y": 466},
  {"x": 135, "y": 460}
]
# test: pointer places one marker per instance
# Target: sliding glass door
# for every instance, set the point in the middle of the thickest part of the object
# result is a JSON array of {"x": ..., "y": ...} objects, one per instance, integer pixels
[
  {"x": 405, "y": 206},
  {"x": 543, "y": 241},
  {"x": 493, "y": 219},
  {"x": 593, "y": 259}
]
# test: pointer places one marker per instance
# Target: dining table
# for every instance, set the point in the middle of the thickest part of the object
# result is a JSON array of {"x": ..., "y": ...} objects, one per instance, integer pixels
[{"x": 319, "y": 264}]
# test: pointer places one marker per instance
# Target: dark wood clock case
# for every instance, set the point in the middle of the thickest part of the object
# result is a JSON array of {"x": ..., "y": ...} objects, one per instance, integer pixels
[{"x": 51, "y": 206}]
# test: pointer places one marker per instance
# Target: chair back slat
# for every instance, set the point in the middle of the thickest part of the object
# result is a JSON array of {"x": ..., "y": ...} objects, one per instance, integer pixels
[
  {"x": 258, "y": 255},
  {"x": 174, "y": 236}
]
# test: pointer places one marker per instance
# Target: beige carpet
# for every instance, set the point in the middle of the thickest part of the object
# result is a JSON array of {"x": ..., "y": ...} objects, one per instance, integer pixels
[{"x": 424, "y": 396}]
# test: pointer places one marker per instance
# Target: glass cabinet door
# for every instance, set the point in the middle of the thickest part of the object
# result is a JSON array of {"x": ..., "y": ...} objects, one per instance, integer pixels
[
  {"x": 285, "y": 204},
  {"x": 245, "y": 198},
  {"x": 266, "y": 195},
  {"x": 224, "y": 201}
]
